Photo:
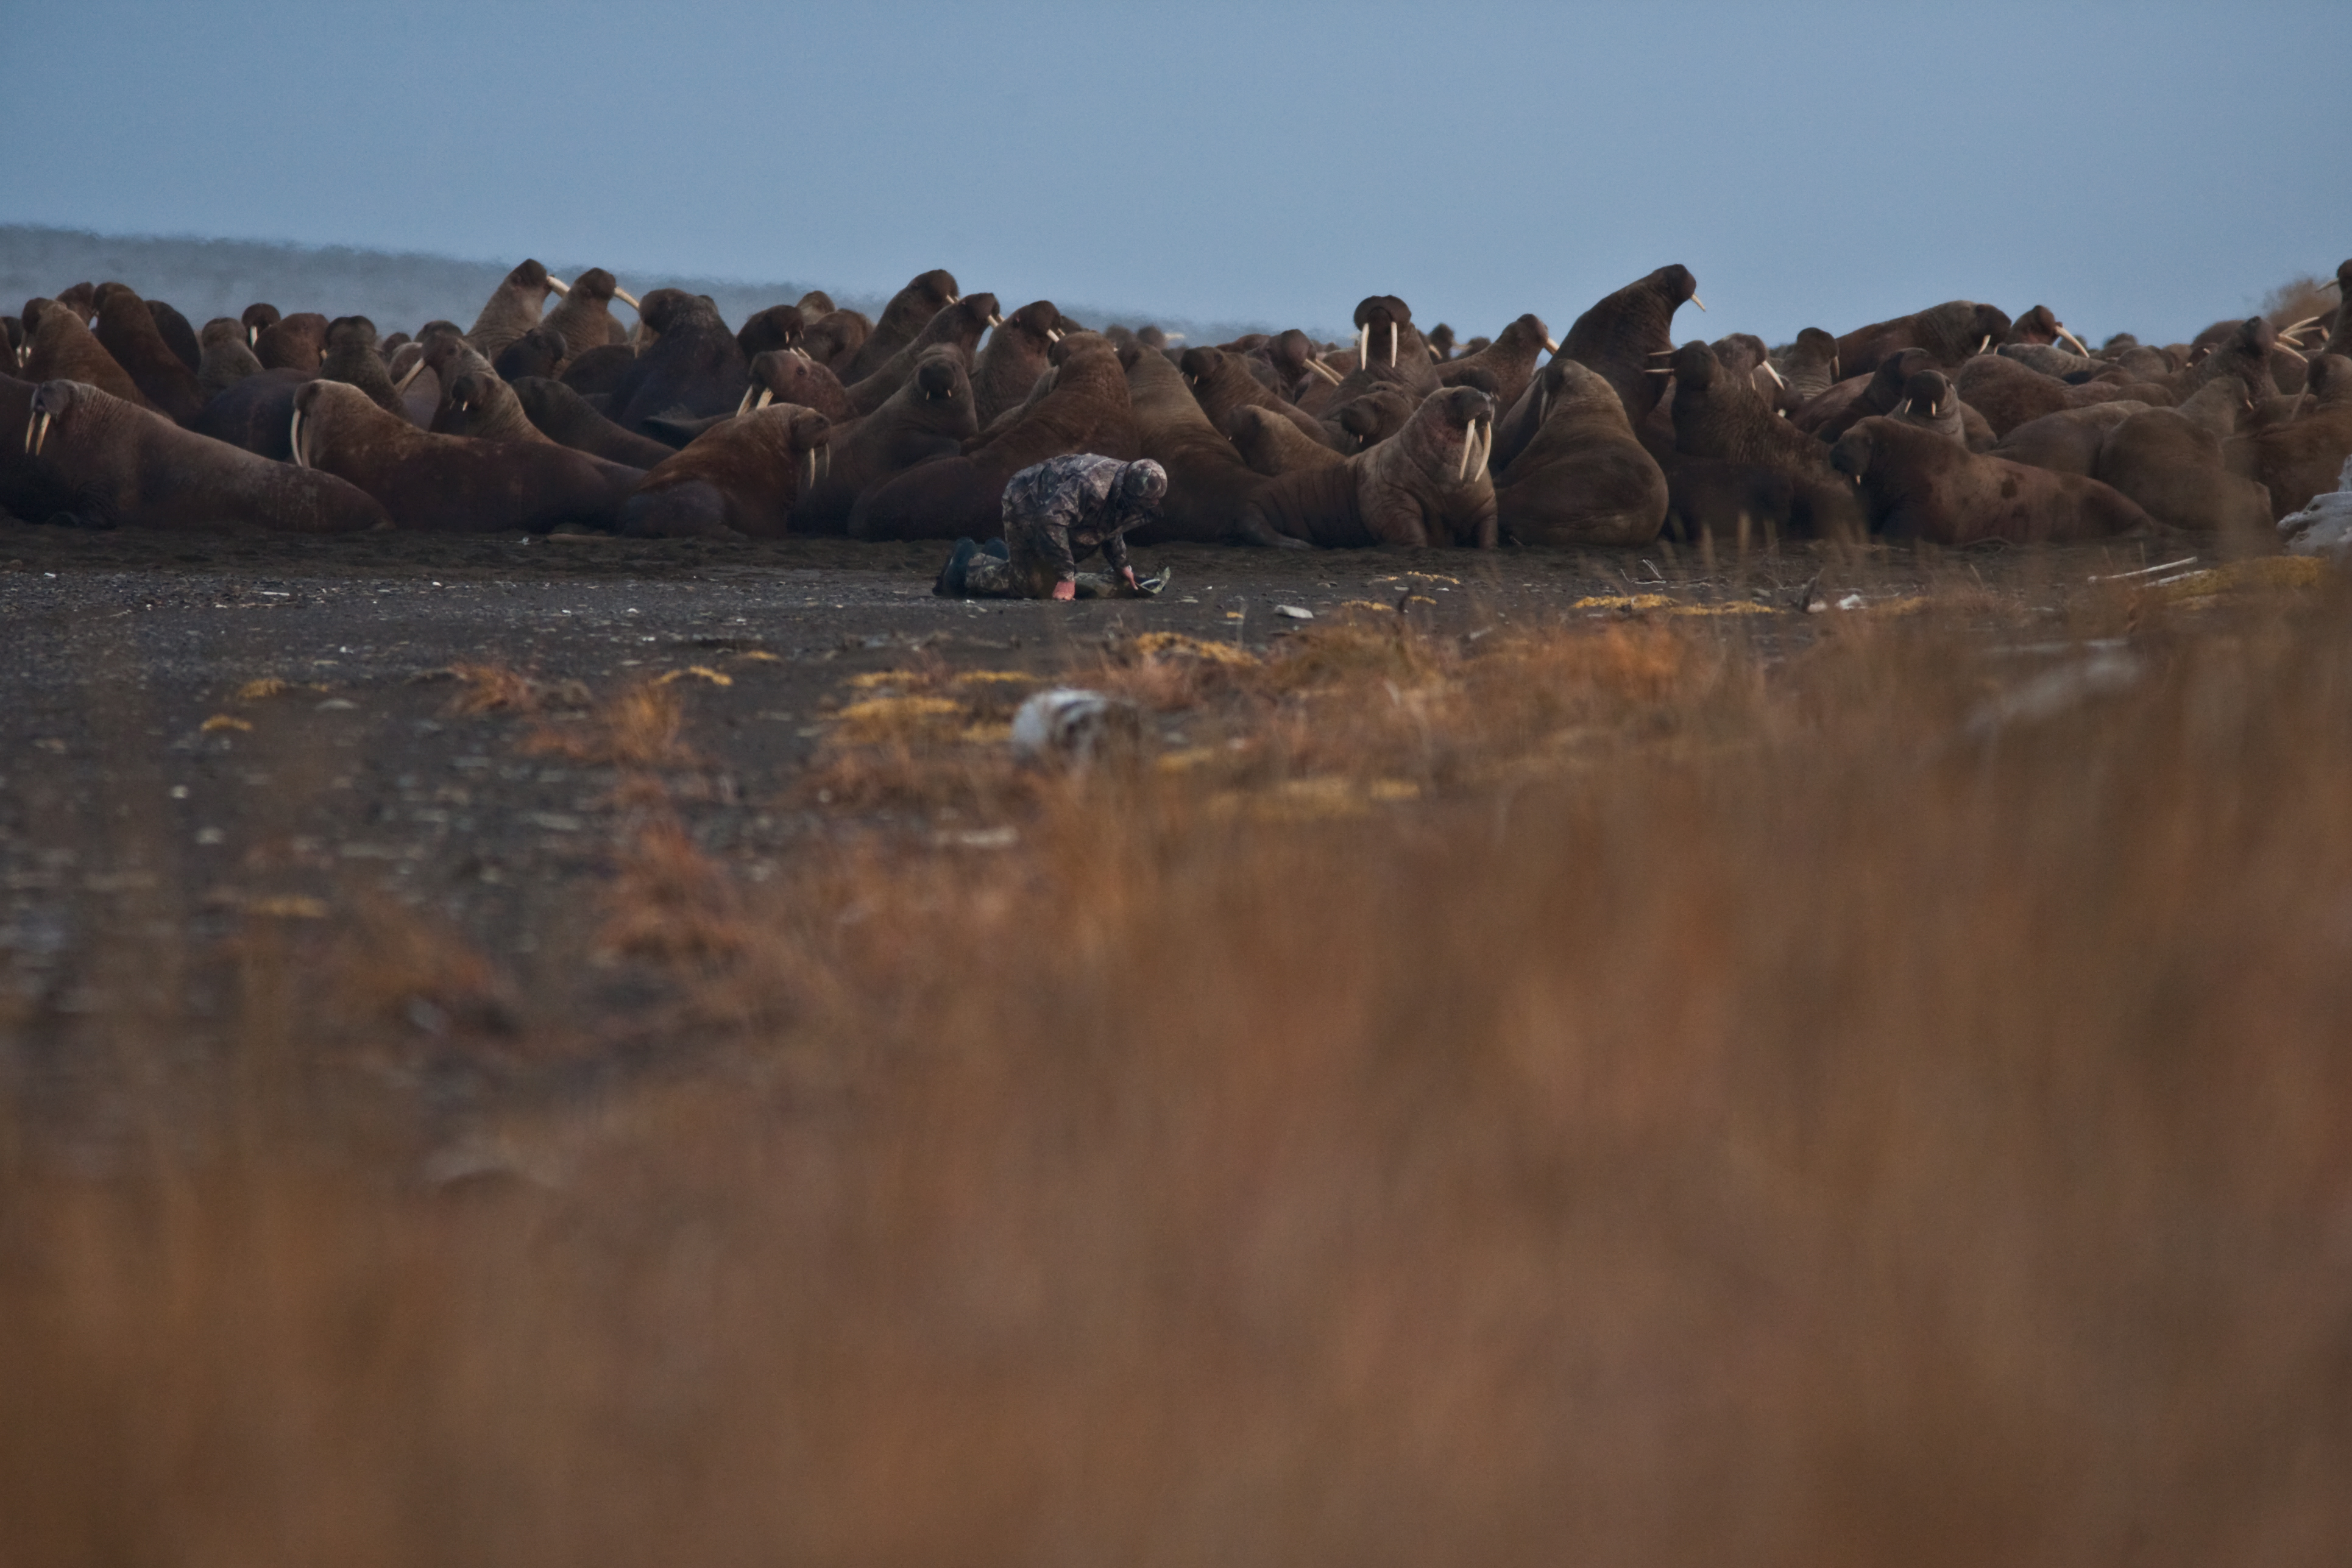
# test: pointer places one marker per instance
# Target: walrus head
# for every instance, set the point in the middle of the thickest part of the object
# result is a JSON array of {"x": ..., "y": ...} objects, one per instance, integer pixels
[
  {"x": 1854, "y": 451},
  {"x": 538, "y": 352},
  {"x": 600, "y": 287},
  {"x": 1894, "y": 373},
  {"x": 82, "y": 300},
  {"x": 1372, "y": 417},
  {"x": 53, "y": 401},
  {"x": 1466, "y": 415},
  {"x": 1694, "y": 367},
  {"x": 2330, "y": 380},
  {"x": 1038, "y": 322},
  {"x": 936, "y": 288},
  {"x": 667, "y": 310},
  {"x": 257, "y": 318},
  {"x": 1992, "y": 327},
  {"x": 1379, "y": 319},
  {"x": 1201, "y": 364},
  {"x": 941, "y": 377},
  {"x": 777, "y": 327},
  {"x": 791, "y": 376},
  {"x": 532, "y": 281}
]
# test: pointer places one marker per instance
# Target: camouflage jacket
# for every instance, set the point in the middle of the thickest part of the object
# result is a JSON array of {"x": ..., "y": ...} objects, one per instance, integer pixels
[{"x": 1062, "y": 510}]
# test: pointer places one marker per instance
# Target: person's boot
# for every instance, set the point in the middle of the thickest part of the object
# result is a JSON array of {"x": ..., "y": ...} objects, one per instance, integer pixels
[{"x": 950, "y": 582}]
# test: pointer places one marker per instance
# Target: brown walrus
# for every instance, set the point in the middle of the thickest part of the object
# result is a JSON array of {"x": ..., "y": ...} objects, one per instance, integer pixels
[
  {"x": 777, "y": 327},
  {"x": 1584, "y": 479},
  {"x": 694, "y": 368},
  {"x": 1510, "y": 358},
  {"x": 447, "y": 484},
  {"x": 2171, "y": 461},
  {"x": 512, "y": 308},
  {"x": 29, "y": 488},
  {"x": 295, "y": 342},
  {"x": 228, "y": 357},
  {"x": 568, "y": 419},
  {"x": 178, "y": 334},
  {"x": 541, "y": 351},
  {"x": 1368, "y": 418},
  {"x": 909, "y": 310},
  {"x": 1085, "y": 409},
  {"x": 129, "y": 466},
  {"x": 1951, "y": 333},
  {"x": 2302, "y": 459},
  {"x": 1930, "y": 402},
  {"x": 483, "y": 407},
  {"x": 737, "y": 480},
  {"x": 833, "y": 339},
  {"x": 1723, "y": 419},
  {"x": 584, "y": 316},
  {"x": 790, "y": 375},
  {"x": 961, "y": 325},
  {"x": 1272, "y": 444},
  {"x": 2068, "y": 440},
  {"x": 1220, "y": 384},
  {"x": 1428, "y": 486},
  {"x": 1630, "y": 333},
  {"x": 59, "y": 348},
  {"x": 1918, "y": 486},
  {"x": 1017, "y": 352},
  {"x": 351, "y": 358},
  {"x": 127, "y": 329},
  {"x": 257, "y": 415},
  {"x": 1207, "y": 480},
  {"x": 929, "y": 417},
  {"x": 2008, "y": 394}
]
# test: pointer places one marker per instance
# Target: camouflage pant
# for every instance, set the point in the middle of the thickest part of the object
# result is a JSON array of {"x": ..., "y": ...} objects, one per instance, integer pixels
[{"x": 991, "y": 577}]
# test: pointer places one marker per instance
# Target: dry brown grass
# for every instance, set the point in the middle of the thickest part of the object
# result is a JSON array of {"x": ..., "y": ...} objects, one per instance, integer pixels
[
  {"x": 1820, "y": 1109},
  {"x": 641, "y": 726}
]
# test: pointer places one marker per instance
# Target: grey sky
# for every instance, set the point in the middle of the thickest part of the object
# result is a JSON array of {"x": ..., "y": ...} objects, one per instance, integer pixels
[{"x": 2145, "y": 167}]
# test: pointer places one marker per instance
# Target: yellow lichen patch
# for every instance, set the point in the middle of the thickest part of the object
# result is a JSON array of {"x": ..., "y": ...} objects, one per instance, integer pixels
[
  {"x": 1376, "y": 608},
  {"x": 698, "y": 672},
  {"x": 759, "y": 657},
  {"x": 2262, "y": 571},
  {"x": 993, "y": 677},
  {"x": 894, "y": 718},
  {"x": 287, "y": 906},
  {"x": 1186, "y": 759},
  {"x": 874, "y": 678},
  {"x": 1661, "y": 604},
  {"x": 1420, "y": 577},
  {"x": 254, "y": 690},
  {"x": 1322, "y": 797},
  {"x": 1175, "y": 645},
  {"x": 986, "y": 734},
  {"x": 223, "y": 721}
]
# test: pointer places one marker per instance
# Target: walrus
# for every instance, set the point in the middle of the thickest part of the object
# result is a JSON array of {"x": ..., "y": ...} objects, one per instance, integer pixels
[
  {"x": 1918, "y": 486},
  {"x": 1428, "y": 486},
  {"x": 1220, "y": 384},
  {"x": 584, "y": 314},
  {"x": 1584, "y": 479},
  {"x": 61, "y": 349},
  {"x": 1930, "y": 402},
  {"x": 29, "y": 488},
  {"x": 908, "y": 311},
  {"x": 1737, "y": 503},
  {"x": 961, "y": 324},
  {"x": 563, "y": 416},
  {"x": 484, "y": 407},
  {"x": 1510, "y": 358},
  {"x": 1830, "y": 414},
  {"x": 82, "y": 300},
  {"x": 1017, "y": 352},
  {"x": 543, "y": 351},
  {"x": 257, "y": 318},
  {"x": 599, "y": 373},
  {"x": 1084, "y": 409},
  {"x": 929, "y": 417},
  {"x": 2008, "y": 393},
  {"x": 351, "y": 358},
  {"x": 2297, "y": 461},
  {"x": 738, "y": 480},
  {"x": 127, "y": 466},
  {"x": 1331, "y": 388},
  {"x": 227, "y": 357},
  {"x": 2040, "y": 326},
  {"x": 1272, "y": 444},
  {"x": 295, "y": 342},
  {"x": 1441, "y": 342},
  {"x": 1810, "y": 364},
  {"x": 814, "y": 304},
  {"x": 694, "y": 368},
  {"x": 1626, "y": 334},
  {"x": 2068, "y": 440},
  {"x": 512, "y": 308},
  {"x": 2170, "y": 461},
  {"x": 790, "y": 375},
  {"x": 1385, "y": 335},
  {"x": 833, "y": 339},
  {"x": 447, "y": 484},
  {"x": 1951, "y": 333},
  {"x": 1722, "y": 418},
  {"x": 1368, "y": 419},
  {"x": 256, "y": 415},
  {"x": 777, "y": 327},
  {"x": 2052, "y": 361},
  {"x": 1743, "y": 354},
  {"x": 1207, "y": 480},
  {"x": 177, "y": 334}
]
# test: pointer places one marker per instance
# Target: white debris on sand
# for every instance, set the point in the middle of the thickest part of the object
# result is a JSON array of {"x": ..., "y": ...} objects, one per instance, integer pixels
[{"x": 1069, "y": 724}]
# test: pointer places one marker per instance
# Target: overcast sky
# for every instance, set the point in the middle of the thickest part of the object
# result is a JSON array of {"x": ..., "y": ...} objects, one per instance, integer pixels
[{"x": 2142, "y": 167}]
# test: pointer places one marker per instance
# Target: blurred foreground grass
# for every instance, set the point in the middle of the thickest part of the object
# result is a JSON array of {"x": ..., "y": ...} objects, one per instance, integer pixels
[{"x": 1604, "y": 1095}]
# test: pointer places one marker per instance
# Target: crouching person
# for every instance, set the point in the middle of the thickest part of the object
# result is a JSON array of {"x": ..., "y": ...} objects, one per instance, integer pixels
[{"x": 1056, "y": 514}]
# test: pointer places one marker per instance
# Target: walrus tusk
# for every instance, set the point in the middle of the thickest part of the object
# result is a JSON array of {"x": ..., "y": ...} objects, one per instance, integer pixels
[
  {"x": 1698, "y": 301},
  {"x": 1462, "y": 463},
  {"x": 2299, "y": 325},
  {"x": 1551, "y": 345},
  {"x": 626, "y": 297},
  {"x": 1364, "y": 346},
  {"x": 1986, "y": 344},
  {"x": 1053, "y": 334},
  {"x": 2077, "y": 341},
  {"x": 744, "y": 407},
  {"x": 1543, "y": 405},
  {"x": 402, "y": 385},
  {"x": 1392, "y": 343},
  {"x": 1906, "y": 405},
  {"x": 808, "y": 471},
  {"x": 1773, "y": 373},
  {"x": 767, "y": 396},
  {"x": 952, "y": 299},
  {"x": 995, "y": 319},
  {"x": 1659, "y": 371},
  {"x": 1326, "y": 371},
  {"x": 294, "y": 439},
  {"x": 558, "y": 285}
]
